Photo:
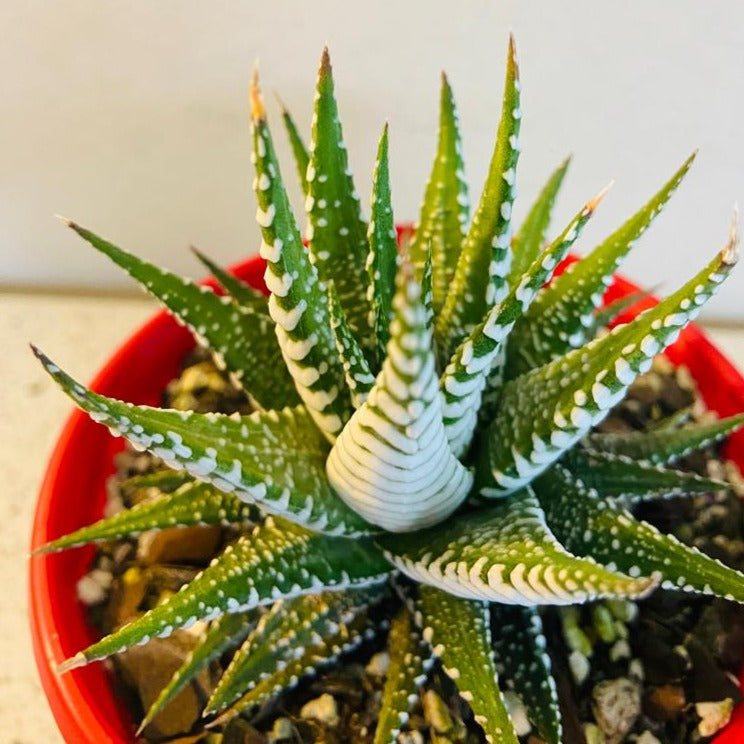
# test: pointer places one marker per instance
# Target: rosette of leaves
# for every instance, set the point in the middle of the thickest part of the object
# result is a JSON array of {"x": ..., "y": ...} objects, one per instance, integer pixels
[{"x": 422, "y": 414}]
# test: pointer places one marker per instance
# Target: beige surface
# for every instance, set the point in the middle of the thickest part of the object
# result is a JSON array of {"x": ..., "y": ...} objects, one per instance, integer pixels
[{"x": 80, "y": 333}]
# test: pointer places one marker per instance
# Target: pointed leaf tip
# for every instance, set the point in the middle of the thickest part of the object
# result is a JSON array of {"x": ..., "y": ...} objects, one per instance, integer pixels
[
  {"x": 74, "y": 662},
  {"x": 594, "y": 202},
  {"x": 64, "y": 220},
  {"x": 258, "y": 110},
  {"x": 730, "y": 252},
  {"x": 325, "y": 61}
]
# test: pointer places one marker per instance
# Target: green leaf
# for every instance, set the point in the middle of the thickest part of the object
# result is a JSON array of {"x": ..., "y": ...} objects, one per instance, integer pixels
[
  {"x": 607, "y": 314},
  {"x": 475, "y": 361},
  {"x": 382, "y": 259},
  {"x": 665, "y": 445},
  {"x": 299, "y": 150},
  {"x": 320, "y": 652},
  {"x": 223, "y": 634},
  {"x": 298, "y": 303},
  {"x": 631, "y": 481},
  {"x": 241, "y": 340},
  {"x": 392, "y": 463},
  {"x": 410, "y": 661},
  {"x": 590, "y": 525},
  {"x": 275, "y": 459},
  {"x": 444, "y": 212},
  {"x": 359, "y": 378},
  {"x": 504, "y": 553},
  {"x": 164, "y": 480},
  {"x": 336, "y": 230},
  {"x": 277, "y": 560},
  {"x": 241, "y": 292},
  {"x": 546, "y": 411},
  {"x": 528, "y": 242},
  {"x": 280, "y": 636},
  {"x": 193, "y": 503},
  {"x": 479, "y": 281},
  {"x": 460, "y": 634},
  {"x": 522, "y": 661},
  {"x": 562, "y": 315}
]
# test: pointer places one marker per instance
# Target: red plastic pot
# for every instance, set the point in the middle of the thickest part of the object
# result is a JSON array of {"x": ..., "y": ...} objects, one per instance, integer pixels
[{"x": 84, "y": 701}]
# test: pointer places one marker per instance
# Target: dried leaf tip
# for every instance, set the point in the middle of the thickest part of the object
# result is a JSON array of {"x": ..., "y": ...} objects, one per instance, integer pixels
[
  {"x": 72, "y": 663},
  {"x": 513, "y": 52},
  {"x": 593, "y": 203},
  {"x": 258, "y": 110},
  {"x": 730, "y": 252},
  {"x": 65, "y": 220},
  {"x": 325, "y": 61}
]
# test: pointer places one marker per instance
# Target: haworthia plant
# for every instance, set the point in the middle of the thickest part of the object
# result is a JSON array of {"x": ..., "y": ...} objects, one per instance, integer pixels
[{"x": 398, "y": 393}]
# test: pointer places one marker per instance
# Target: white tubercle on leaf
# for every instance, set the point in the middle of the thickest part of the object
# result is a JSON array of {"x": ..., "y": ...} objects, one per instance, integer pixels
[{"x": 391, "y": 463}]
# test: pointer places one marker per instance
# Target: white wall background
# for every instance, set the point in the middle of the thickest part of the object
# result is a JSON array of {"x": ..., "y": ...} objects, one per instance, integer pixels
[{"x": 131, "y": 117}]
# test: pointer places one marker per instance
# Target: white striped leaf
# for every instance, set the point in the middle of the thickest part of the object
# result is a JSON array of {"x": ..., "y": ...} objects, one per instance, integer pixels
[
  {"x": 523, "y": 663},
  {"x": 276, "y": 560},
  {"x": 297, "y": 303},
  {"x": 479, "y": 281},
  {"x": 444, "y": 212},
  {"x": 192, "y": 504},
  {"x": 591, "y": 525},
  {"x": 240, "y": 338},
  {"x": 275, "y": 459},
  {"x": 667, "y": 444},
  {"x": 392, "y": 463},
  {"x": 460, "y": 635},
  {"x": 337, "y": 232},
  {"x": 410, "y": 660},
  {"x": 224, "y": 633},
  {"x": 545, "y": 412},
  {"x": 505, "y": 553},
  {"x": 474, "y": 362},
  {"x": 562, "y": 316}
]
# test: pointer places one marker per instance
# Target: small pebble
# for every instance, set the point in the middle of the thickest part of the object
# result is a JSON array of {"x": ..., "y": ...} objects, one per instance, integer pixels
[
  {"x": 378, "y": 664},
  {"x": 323, "y": 709},
  {"x": 714, "y": 716}
]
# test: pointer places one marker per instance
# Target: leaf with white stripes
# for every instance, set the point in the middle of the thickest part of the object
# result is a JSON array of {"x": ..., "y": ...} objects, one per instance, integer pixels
[
  {"x": 479, "y": 281},
  {"x": 523, "y": 663},
  {"x": 665, "y": 445},
  {"x": 459, "y": 632},
  {"x": 303, "y": 661},
  {"x": 298, "y": 303},
  {"x": 505, "y": 553},
  {"x": 590, "y": 525},
  {"x": 474, "y": 362},
  {"x": 276, "y": 560},
  {"x": 546, "y": 411},
  {"x": 359, "y": 378},
  {"x": 288, "y": 625},
  {"x": 382, "y": 258},
  {"x": 192, "y": 504},
  {"x": 275, "y": 459},
  {"x": 444, "y": 212},
  {"x": 241, "y": 339},
  {"x": 563, "y": 313},
  {"x": 630, "y": 481},
  {"x": 336, "y": 230},
  {"x": 410, "y": 661},
  {"x": 528, "y": 242},
  {"x": 392, "y": 463},
  {"x": 224, "y": 633}
]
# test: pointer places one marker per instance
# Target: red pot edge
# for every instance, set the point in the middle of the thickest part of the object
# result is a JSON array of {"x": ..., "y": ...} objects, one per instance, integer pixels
[{"x": 80, "y": 719}]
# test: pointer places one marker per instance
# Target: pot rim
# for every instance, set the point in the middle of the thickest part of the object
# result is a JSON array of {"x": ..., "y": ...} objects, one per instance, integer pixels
[{"x": 83, "y": 701}]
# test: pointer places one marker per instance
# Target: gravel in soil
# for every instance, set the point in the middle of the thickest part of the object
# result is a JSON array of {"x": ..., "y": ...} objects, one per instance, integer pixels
[{"x": 660, "y": 670}]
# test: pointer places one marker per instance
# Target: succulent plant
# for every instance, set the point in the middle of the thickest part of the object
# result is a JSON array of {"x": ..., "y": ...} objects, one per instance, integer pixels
[{"x": 422, "y": 430}]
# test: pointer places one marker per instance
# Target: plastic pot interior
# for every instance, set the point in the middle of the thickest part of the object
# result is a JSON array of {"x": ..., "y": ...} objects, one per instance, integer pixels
[{"x": 84, "y": 702}]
